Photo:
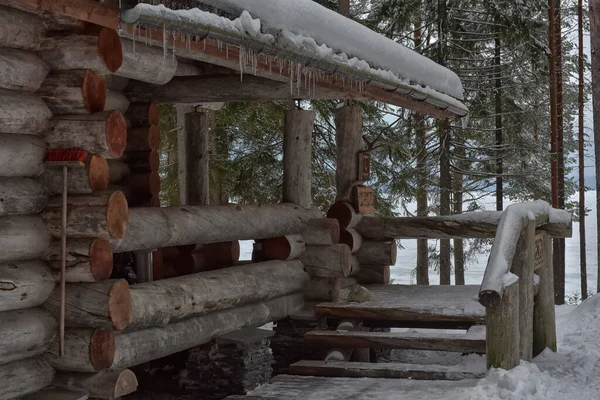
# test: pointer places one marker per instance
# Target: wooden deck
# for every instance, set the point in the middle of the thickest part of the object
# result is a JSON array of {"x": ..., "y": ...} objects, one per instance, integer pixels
[{"x": 412, "y": 305}]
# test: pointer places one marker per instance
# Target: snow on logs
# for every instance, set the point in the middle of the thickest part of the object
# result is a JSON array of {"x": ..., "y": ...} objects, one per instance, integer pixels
[
  {"x": 22, "y": 155},
  {"x": 329, "y": 261},
  {"x": 23, "y": 237},
  {"x": 22, "y": 113},
  {"x": 93, "y": 178},
  {"x": 102, "y": 215},
  {"x": 103, "y": 133},
  {"x": 210, "y": 224},
  {"x": 20, "y": 378},
  {"x": 21, "y": 70},
  {"x": 25, "y": 333},
  {"x": 24, "y": 284},
  {"x": 21, "y": 196},
  {"x": 88, "y": 260},
  {"x": 81, "y": 91},
  {"x": 106, "y": 384}
]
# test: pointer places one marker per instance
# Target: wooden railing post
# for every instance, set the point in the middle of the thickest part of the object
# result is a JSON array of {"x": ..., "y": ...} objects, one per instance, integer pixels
[
  {"x": 502, "y": 330},
  {"x": 544, "y": 325}
]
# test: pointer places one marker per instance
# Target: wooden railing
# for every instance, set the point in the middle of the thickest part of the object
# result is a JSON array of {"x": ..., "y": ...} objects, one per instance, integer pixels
[{"x": 518, "y": 290}]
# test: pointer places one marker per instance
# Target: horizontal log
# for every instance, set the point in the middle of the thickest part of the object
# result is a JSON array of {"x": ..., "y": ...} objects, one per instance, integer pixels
[
  {"x": 142, "y": 161},
  {"x": 19, "y": 29},
  {"x": 288, "y": 247},
  {"x": 322, "y": 231},
  {"x": 345, "y": 213},
  {"x": 219, "y": 88},
  {"x": 118, "y": 171},
  {"x": 22, "y": 113},
  {"x": 322, "y": 289},
  {"x": 146, "y": 63},
  {"x": 351, "y": 238},
  {"x": 24, "y": 284},
  {"x": 80, "y": 91},
  {"x": 219, "y": 255},
  {"x": 103, "y": 215},
  {"x": 116, "y": 82},
  {"x": 105, "y": 305},
  {"x": 106, "y": 384},
  {"x": 86, "y": 350},
  {"x": 162, "y": 302},
  {"x": 116, "y": 101},
  {"x": 21, "y": 70},
  {"x": 376, "y": 252},
  {"x": 23, "y": 238},
  {"x": 25, "y": 333},
  {"x": 370, "y": 274},
  {"x": 209, "y": 224},
  {"x": 93, "y": 178},
  {"x": 143, "y": 139},
  {"x": 137, "y": 347},
  {"x": 21, "y": 196},
  {"x": 20, "y": 378},
  {"x": 99, "y": 52},
  {"x": 88, "y": 260},
  {"x": 21, "y": 155},
  {"x": 148, "y": 183},
  {"x": 143, "y": 114},
  {"x": 103, "y": 133},
  {"x": 328, "y": 261}
]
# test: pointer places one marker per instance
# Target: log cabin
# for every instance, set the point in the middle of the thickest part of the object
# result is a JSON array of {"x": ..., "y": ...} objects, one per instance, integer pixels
[{"x": 89, "y": 76}]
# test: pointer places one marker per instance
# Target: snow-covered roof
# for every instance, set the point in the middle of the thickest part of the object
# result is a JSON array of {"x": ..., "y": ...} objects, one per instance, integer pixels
[{"x": 314, "y": 37}]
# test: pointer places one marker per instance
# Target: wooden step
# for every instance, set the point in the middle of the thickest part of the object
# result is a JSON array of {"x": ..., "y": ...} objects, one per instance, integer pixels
[
  {"x": 413, "y": 305},
  {"x": 471, "y": 342},
  {"x": 385, "y": 370}
]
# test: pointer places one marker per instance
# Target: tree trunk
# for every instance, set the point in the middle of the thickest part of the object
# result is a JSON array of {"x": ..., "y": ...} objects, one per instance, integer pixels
[
  {"x": 80, "y": 91},
  {"x": 345, "y": 213},
  {"x": 25, "y": 334},
  {"x": 581, "y": 101},
  {"x": 288, "y": 247},
  {"x": 24, "y": 284},
  {"x": 297, "y": 150},
  {"x": 198, "y": 128},
  {"x": 137, "y": 347},
  {"x": 116, "y": 101},
  {"x": 86, "y": 350},
  {"x": 594, "y": 14},
  {"x": 182, "y": 144},
  {"x": 93, "y": 178},
  {"x": 329, "y": 261},
  {"x": 143, "y": 139},
  {"x": 544, "y": 318},
  {"x": 118, "y": 171},
  {"x": 146, "y": 63},
  {"x": 445, "y": 189},
  {"x": 143, "y": 114},
  {"x": 104, "y": 305},
  {"x": 459, "y": 249},
  {"x": 19, "y": 29},
  {"x": 108, "y": 384},
  {"x": 21, "y": 196},
  {"x": 22, "y": 113},
  {"x": 498, "y": 111},
  {"x": 322, "y": 289},
  {"x": 23, "y": 238},
  {"x": 348, "y": 122},
  {"x": 104, "y": 133},
  {"x": 101, "y": 53},
  {"x": 322, "y": 231},
  {"x": 351, "y": 238},
  {"x": 162, "y": 302},
  {"x": 502, "y": 331},
  {"x": 22, "y": 156},
  {"x": 88, "y": 260},
  {"x": 21, "y": 70},
  {"x": 344, "y": 7},
  {"x": 372, "y": 252},
  {"x": 210, "y": 224},
  {"x": 23, "y": 377},
  {"x": 104, "y": 215}
]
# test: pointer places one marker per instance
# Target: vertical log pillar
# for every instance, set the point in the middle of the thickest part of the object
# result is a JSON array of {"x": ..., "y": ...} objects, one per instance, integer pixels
[
  {"x": 182, "y": 110},
  {"x": 544, "y": 323},
  {"x": 198, "y": 126},
  {"x": 297, "y": 156},
  {"x": 348, "y": 122},
  {"x": 502, "y": 330}
]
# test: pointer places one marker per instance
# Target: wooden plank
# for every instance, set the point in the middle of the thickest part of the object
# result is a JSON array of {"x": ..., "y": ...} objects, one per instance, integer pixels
[
  {"x": 363, "y": 198},
  {"x": 412, "y": 303},
  {"x": 456, "y": 342},
  {"x": 364, "y": 166},
  {"x": 385, "y": 370}
]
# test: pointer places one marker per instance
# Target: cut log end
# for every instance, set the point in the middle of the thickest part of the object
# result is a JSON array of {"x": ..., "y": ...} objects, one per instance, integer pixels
[
  {"x": 117, "y": 215},
  {"x": 94, "y": 91},
  {"x": 102, "y": 349},
  {"x": 116, "y": 133},
  {"x": 154, "y": 181},
  {"x": 110, "y": 49},
  {"x": 98, "y": 173},
  {"x": 153, "y": 114},
  {"x": 489, "y": 298},
  {"x": 119, "y": 305},
  {"x": 127, "y": 383},
  {"x": 343, "y": 212},
  {"x": 276, "y": 248},
  {"x": 154, "y": 137},
  {"x": 154, "y": 160},
  {"x": 101, "y": 259}
]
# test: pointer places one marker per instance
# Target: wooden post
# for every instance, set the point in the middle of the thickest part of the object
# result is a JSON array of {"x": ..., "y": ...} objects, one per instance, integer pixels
[
  {"x": 502, "y": 330},
  {"x": 198, "y": 127},
  {"x": 544, "y": 323},
  {"x": 348, "y": 121},
  {"x": 182, "y": 143},
  {"x": 297, "y": 157}
]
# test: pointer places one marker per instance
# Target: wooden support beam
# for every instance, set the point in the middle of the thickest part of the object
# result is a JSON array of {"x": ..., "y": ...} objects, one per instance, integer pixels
[
  {"x": 137, "y": 347},
  {"x": 19, "y": 29},
  {"x": 21, "y": 196},
  {"x": 24, "y": 284},
  {"x": 502, "y": 331},
  {"x": 297, "y": 160},
  {"x": 544, "y": 321},
  {"x": 348, "y": 123},
  {"x": 86, "y": 350},
  {"x": 25, "y": 333},
  {"x": 375, "y": 252},
  {"x": 80, "y": 91},
  {"x": 93, "y": 178},
  {"x": 21, "y": 70},
  {"x": 23, "y": 237},
  {"x": 22, "y": 113},
  {"x": 23, "y": 156},
  {"x": 20, "y": 378},
  {"x": 210, "y": 224},
  {"x": 108, "y": 384},
  {"x": 88, "y": 260},
  {"x": 198, "y": 128},
  {"x": 162, "y": 302}
]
